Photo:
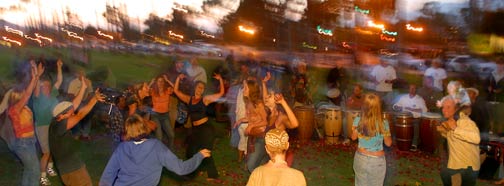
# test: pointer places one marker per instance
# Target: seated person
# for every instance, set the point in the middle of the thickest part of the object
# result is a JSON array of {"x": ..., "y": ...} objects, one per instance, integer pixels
[{"x": 415, "y": 105}]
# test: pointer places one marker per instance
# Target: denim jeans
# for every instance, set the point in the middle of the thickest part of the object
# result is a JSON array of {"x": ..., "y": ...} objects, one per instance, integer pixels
[
  {"x": 259, "y": 156},
  {"x": 163, "y": 124},
  {"x": 26, "y": 151},
  {"x": 469, "y": 176},
  {"x": 369, "y": 170}
]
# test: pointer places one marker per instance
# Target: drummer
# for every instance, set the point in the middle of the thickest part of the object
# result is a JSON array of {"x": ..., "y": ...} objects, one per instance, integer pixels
[
  {"x": 415, "y": 105},
  {"x": 354, "y": 102}
]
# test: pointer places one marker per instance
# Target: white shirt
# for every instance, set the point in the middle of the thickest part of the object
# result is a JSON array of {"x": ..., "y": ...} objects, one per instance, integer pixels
[
  {"x": 381, "y": 74},
  {"x": 240, "y": 105},
  {"x": 497, "y": 76},
  {"x": 198, "y": 73},
  {"x": 438, "y": 75},
  {"x": 416, "y": 102}
]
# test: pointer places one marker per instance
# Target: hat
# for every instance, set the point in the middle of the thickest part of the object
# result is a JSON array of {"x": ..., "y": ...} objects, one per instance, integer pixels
[
  {"x": 277, "y": 139},
  {"x": 333, "y": 93},
  {"x": 61, "y": 107},
  {"x": 476, "y": 91}
]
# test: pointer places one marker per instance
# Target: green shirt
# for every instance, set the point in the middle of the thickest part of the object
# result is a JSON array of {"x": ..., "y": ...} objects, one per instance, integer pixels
[
  {"x": 64, "y": 148},
  {"x": 43, "y": 107}
]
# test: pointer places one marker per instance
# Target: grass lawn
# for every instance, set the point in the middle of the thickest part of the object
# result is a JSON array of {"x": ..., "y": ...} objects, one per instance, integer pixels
[{"x": 322, "y": 164}]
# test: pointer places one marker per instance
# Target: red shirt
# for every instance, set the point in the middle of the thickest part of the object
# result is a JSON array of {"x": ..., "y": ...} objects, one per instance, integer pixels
[{"x": 22, "y": 122}]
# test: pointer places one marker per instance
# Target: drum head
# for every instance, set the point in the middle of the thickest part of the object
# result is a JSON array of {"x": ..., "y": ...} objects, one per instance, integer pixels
[
  {"x": 402, "y": 114},
  {"x": 333, "y": 93},
  {"x": 431, "y": 115}
]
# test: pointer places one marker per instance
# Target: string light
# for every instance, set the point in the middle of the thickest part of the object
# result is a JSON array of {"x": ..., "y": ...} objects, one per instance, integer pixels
[
  {"x": 374, "y": 25},
  {"x": 11, "y": 30},
  {"x": 306, "y": 45},
  {"x": 11, "y": 40},
  {"x": 389, "y": 32},
  {"x": 324, "y": 31},
  {"x": 385, "y": 38},
  {"x": 72, "y": 34},
  {"x": 416, "y": 29},
  {"x": 357, "y": 9},
  {"x": 105, "y": 35},
  {"x": 203, "y": 33},
  {"x": 42, "y": 37},
  {"x": 173, "y": 34},
  {"x": 33, "y": 39},
  {"x": 248, "y": 31}
]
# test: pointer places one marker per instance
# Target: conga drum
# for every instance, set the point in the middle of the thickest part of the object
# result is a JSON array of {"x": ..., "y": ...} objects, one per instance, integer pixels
[
  {"x": 350, "y": 116},
  {"x": 389, "y": 116},
  {"x": 429, "y": 137},
  {"x": 332, "y": 124},
  {"x": 305, "y": 116},
  {"x": 404, "y": 130}
]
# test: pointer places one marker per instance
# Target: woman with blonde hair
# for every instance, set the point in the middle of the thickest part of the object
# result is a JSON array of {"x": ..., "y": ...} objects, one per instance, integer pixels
[
  {"x": 372, "y": 131},
  {"x": 140, "y": 160}
]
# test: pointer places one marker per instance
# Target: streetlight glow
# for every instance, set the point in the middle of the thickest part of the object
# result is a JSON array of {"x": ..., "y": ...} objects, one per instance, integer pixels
[{"x": 246, "y": 30}]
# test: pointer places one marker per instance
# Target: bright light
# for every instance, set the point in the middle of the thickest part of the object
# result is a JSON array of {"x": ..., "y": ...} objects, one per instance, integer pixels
[
  {"x": 385, "y": 38},
  {"x": 203, "y": 33},
  {"x": 105, "y": 35},
  {"x": 11, "y": 40},
  {"x": 357, "y": 9},
  {"x": 416, "y": 29},
  {"x": 180, "y": 9},
  {"x": 11, "y": 30},
  {"x": 248, "y": 31},
  {"x": 34, "y": 39},
  {"x": 173, "y": 34},
  {"x": 323, "y": 31},
  {"x": 274, "y": 40},
  {"x": 42, "y": 37},
  {"x": 389, "y": 32},
  {"x": 5, "y": 43},
  {"x": 374, "y": 25},
  {"x": 306, "y": 45},
  {"x": 72, "y": 34}
]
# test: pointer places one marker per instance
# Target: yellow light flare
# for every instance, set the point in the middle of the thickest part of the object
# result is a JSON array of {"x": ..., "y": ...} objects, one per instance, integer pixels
[
  {"x": 246, "y": 30},
  {"x": 11, "y": 40},
  {"x": 374, "y": 25},
  {"x": 14, "y": 31},
  {"x": 42, "y": 37},
  {"x": 416, "y": 29},
  {"x": 173, "y": 34},
  {"x": 105, "y": 35}
]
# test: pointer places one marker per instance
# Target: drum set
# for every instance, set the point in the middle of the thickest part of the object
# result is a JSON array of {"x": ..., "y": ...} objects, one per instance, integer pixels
[{"x": 331, "y": 122}]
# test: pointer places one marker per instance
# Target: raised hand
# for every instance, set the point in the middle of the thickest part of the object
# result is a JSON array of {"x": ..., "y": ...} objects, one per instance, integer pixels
[
  {"x": 217, "y": 76},
  {"x": 181, "y": 76},
  {"x": 267, "y": 77},
  {"x": 206, "y": 153},
  {"x": 84, "y": 84},
  {"x": 98, "y": 95},
  {"x": 59, "y": 63},
  {"x": 279, "y": 98},
  {"x": 40, "y": 69}
]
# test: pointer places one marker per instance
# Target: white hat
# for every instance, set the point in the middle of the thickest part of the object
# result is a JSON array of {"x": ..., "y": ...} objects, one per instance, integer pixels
[
  {"x": 333, "y": 93},
  {"x": 60, "y": 107},
  {"x": 476, "y": 91}
]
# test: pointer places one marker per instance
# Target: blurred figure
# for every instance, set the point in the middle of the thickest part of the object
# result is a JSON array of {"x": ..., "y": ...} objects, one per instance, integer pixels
[
  {"x": 276, "y": 171},
  {"x": 495, "y": 86},
  {"x": 196, "y": 72},
  {"x": 161, "y": 90},
  {"x": 64, "y": 148},
  {"x": 457, "y": 93},
  {"x": 300, "y": 89},
  {"x": 479, "y": 113},
  {"x": 384, "y": 76},
  {"x": 203, "y": 133},
  {"x": 337, "y": 80},
  {"x": 415, "y": 105},
  {"x": 372, "y": 131},
  {"x": 463, "y": 143},
  {"x": 22, "y": 123},
  {"x": 139, "y": 160},
  {"x": 433, "y": 81},
  {"x": 83, "y": 129},
  {"x": 356, "y": 99}
]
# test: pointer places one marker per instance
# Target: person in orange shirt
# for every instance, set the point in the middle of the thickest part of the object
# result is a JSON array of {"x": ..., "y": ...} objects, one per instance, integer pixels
[{"x": 160, "y": 93}]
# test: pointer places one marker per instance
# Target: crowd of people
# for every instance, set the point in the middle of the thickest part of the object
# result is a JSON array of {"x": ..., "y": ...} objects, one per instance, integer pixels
[{"x": 261, "y": 101}]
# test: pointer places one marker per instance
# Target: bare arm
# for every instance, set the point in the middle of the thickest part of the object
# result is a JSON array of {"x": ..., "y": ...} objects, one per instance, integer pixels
[
  {"x": 264, "y": 87},
  {"x": 214, "y": 97},
  {"x": 29, "y": 90},
  {"x": 387, "y": 140},
  {"x": 183, "y": 97},
  {"x": 40, "y": 71},
  {"x": 293, "y": 121},
  {"x": 78, "y": 99},
  {"x": 74, "y": 119},
  {"x": 59, "y": 77}
]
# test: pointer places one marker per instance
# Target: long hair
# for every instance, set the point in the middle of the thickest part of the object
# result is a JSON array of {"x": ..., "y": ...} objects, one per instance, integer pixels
[
  {"x": 135, "y": 128},
  {"x": 155, "y": 87},
  {"x": 371, "y": 116},
  {"x": 254, "y": 93}
]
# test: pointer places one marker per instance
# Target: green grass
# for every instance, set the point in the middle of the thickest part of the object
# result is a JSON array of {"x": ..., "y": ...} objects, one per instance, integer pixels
[{"x": 322, "y": 164}]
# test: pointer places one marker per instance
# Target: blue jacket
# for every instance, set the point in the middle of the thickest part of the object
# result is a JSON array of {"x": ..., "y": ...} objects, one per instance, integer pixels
[{"x": 141, "y": 164}]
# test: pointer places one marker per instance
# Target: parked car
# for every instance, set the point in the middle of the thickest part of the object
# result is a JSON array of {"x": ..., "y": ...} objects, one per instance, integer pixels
[
  {"x": 409, "y": 61},
  {"x": 483, "y": 69},
  {"x": 460, "y": 63}
]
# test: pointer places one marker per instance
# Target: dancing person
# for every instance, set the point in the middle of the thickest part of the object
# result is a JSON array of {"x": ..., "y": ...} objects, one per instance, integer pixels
[
  {"x": 135, "y": 101},
  {"x": 203, "y": 133},
  {"x": 241, "y": 123},
  {"x": 372, "y": 131},
  {"x": 139, "y": 160},
  {"x": 276, "y": 171},
  {"x": 457, "y": 92},
  {"x": 44, "y": 100},
  {"x": 433, "y": 80},
  {"x": 64, "y": 148},
  {"x": 414, "y": 104},
  {"x": 83, "y": 129},
  {"x": 355, "y": 101},
  {"x": 384, "y": 75},
  {"x": 161, "y": 92},
  {"x": 463, "y": 139},
  {"x": 22, "y": 122}
]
